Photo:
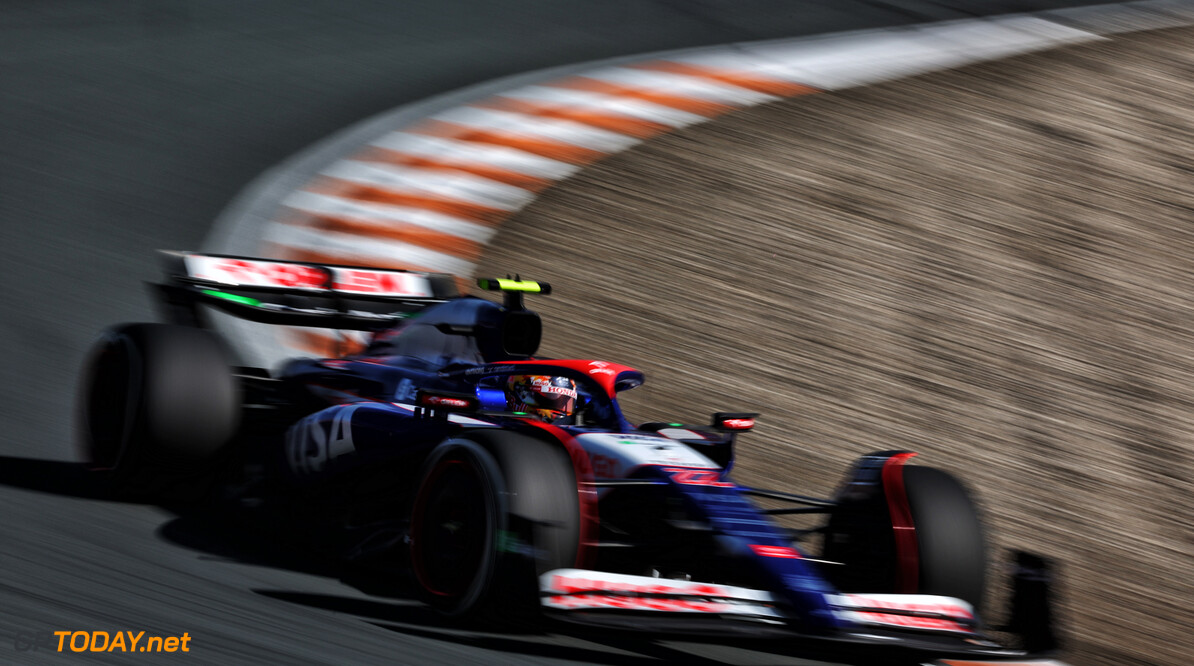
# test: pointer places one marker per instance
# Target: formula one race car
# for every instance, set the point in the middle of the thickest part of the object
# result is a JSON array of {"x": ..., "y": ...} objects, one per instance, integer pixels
[{"x": 513, "y": 486}]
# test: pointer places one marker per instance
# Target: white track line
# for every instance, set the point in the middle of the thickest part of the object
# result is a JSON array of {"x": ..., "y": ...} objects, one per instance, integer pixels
[{"x": 831, "y": 64}]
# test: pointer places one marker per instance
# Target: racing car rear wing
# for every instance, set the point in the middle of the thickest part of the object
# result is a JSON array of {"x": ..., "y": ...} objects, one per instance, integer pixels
[{"x": 297, "y": 293}]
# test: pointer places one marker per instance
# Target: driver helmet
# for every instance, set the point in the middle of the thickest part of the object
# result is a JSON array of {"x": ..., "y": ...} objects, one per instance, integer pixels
[{"x": 544, "y": 396}]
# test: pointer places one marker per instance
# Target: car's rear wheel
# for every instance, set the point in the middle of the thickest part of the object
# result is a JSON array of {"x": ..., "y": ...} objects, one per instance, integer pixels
[
  {"x": 158, "y": 401},
  {"x": 492, "y": 512}
]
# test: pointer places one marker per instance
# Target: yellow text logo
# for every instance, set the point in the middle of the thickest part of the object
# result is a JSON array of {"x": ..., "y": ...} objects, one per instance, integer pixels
[{"x": 120, "y": 641}]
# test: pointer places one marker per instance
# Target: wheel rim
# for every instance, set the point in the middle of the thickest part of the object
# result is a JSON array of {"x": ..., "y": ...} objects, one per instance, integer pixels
[{"x": 453, "y": 529}]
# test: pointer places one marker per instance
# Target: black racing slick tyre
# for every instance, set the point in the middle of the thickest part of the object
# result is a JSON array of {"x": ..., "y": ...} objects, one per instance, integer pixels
[
  {"x": 950, "y": 540},
  {"x": 158, "y": 401},
  {"x": 493, "y": 511},
  {"x": 947, "y": 556}
]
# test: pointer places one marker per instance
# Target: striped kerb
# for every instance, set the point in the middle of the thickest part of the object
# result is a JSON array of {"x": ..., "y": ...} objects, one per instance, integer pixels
[{"x": 429, "y": 196}]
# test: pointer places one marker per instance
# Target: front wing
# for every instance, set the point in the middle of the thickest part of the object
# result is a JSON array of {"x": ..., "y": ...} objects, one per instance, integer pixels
[{"x": 939, "y": 627}]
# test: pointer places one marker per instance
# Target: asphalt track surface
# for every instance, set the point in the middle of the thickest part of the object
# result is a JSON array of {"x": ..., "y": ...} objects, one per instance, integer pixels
[{"x": 126, "y": 127}]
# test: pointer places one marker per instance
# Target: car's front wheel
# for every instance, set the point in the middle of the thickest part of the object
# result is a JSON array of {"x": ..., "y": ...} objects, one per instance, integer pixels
[
  {"x": 492, "y": 512},
  {"x": 917, "y": 531}
]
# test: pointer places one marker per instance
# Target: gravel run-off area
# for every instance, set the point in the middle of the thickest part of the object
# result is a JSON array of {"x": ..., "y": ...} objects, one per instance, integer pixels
[{"x": 993, "y": 266}]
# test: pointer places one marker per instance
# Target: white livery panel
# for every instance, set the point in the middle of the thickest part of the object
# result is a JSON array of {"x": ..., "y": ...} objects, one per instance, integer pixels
[
  {"x": 577, "y": 589},
  {"x": 905, "y": 611},
  {"x": 234, "y": 271},
  {"x": 615, "y": 456}
]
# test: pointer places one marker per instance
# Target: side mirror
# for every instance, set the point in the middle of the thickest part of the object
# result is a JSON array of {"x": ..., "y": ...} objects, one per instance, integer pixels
[{"x": 733, "y": 421}]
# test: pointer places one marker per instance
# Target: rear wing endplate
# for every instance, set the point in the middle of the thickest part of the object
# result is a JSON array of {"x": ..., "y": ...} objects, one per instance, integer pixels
[{"x": 295, "y": 293}]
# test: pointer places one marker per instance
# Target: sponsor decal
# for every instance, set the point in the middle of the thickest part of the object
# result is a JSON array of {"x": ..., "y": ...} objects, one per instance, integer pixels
[
  {"x": 259, "y": 273},
  {"x": 310, "y": 444},
  {"x": 484, "y": 370},
  {"x": 697, "y": 477},
  {"x": 907, "y": 621},
  {"x": 600, "y": 368},
  {"x": 625, "y": 602},
  {"x": 738, "y": 424},
  {"x": 783, "y": 552},
  {"x": 547, "y": 385},
  {"x": 573, "y": 590},
  {"x": 604, "y": 467},
  {"x": 558, "y": 390},
  {"x": 428, "y": 400},
  {"x": 446, "y": 400},
  {"x": 256, "y": 272},
  {"x": 926, "y": 612},
  {"x": 379, "y": 283}
]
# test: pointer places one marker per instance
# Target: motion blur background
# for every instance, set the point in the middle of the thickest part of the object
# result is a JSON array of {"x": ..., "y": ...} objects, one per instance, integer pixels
[{"x": 991, "y": 266}]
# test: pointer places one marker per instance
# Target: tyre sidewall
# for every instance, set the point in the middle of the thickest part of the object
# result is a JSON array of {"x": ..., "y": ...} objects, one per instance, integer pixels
[
  {"x": 110, "y": 400},
  {"x": 180, "y": 405},
  {"x": 949, "y": 533},
  {"x": 538, "y": 528},
  {"x": 488, "y": 471}
]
